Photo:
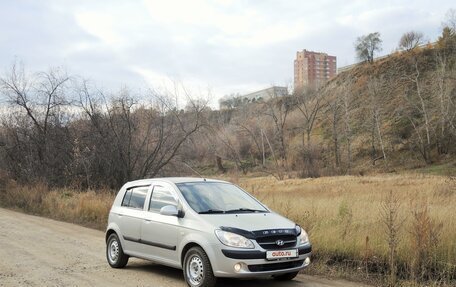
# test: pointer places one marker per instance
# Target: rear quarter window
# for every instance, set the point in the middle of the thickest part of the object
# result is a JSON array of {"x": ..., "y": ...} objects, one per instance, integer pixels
[
  {"x": 126, "y": 198},
  {"x": 135, "y": 197}
]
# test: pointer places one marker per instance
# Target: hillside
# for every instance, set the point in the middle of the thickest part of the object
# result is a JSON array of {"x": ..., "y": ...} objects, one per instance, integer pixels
[{"x": 397, "y": 113}]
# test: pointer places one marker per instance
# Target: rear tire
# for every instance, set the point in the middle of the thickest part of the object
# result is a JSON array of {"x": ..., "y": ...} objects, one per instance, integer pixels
[
  {"x": 197, "y": 269},
  {"x": 286, "y": 276},
  {"x": 114, "y": 252}
]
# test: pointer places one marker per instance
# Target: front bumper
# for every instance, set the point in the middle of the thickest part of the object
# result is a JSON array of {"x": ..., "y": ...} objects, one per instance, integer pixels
[{"x": 253, "y": 263}]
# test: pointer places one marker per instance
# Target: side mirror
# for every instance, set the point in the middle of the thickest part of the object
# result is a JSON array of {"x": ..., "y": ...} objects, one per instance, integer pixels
[{"x": 169, "y": 210}]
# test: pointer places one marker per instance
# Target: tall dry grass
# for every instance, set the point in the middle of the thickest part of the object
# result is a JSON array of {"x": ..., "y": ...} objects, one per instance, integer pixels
[
  {"x": 347, "y": 220},
  {"x": 89, "y": 208}
]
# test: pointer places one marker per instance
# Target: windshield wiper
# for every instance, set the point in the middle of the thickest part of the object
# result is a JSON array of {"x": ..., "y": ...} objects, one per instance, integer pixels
[
  {"x": 244, "y": 210},
  {"x": 211, "y": 211}
]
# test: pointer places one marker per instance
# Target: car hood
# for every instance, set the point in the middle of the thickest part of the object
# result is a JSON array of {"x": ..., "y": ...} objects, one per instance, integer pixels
[{"x": 249, "y": 221}]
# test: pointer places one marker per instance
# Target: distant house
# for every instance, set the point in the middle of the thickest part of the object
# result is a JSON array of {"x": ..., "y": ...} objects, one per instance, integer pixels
[{"x": 235, "y": 101}]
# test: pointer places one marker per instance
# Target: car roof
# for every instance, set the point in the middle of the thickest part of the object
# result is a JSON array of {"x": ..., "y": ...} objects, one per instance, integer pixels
[{"x": 171, "y": 180}]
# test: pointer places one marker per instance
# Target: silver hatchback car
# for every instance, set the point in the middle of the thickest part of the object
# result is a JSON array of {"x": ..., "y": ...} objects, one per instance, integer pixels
[{"x": 208, "y": 228}]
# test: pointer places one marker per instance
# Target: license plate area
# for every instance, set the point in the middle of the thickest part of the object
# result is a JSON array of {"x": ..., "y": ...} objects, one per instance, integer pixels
[{"x": 280, "y": 254}]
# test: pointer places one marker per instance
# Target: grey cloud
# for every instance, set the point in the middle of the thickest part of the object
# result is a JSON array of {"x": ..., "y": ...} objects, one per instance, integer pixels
[{"x": 46, "y": 33}]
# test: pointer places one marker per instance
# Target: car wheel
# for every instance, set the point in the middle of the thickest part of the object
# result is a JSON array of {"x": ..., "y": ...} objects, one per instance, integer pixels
[
  {"x": 198, "y": 269},
  {"x": 114, "y": 252},
  {"x": 286, "y": 276}
]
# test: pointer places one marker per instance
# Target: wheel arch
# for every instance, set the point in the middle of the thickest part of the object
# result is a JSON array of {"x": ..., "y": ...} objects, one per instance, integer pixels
[
  {"x": 186, "y": 248},
  {"x": 197, "y": 239},
  {"x": 109, "y": 232},
  {"x": 113, "y": 228}
]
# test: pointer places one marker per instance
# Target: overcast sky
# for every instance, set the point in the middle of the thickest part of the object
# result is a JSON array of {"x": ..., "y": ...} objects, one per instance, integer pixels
[{"x": 226, "y": 46}]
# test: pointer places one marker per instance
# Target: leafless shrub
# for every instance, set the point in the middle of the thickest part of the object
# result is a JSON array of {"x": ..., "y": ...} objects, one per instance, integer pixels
[
  {"x": 424, "y": 240},
  {"x": 308, "y": 162},
  {"x": 390, "y": 208},
  {"x": 345, "y": 214}
]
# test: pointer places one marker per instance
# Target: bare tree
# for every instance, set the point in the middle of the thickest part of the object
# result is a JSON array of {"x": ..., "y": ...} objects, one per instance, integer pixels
[
  {"x": 309, "y": 104},
  {"x": 447, "y": 41},
  {"x": 136, "y": 140},
  {"x": 40, "y": 139},
  {"x": 410, "y": 40},
  {"x": 418, "y": 113},
  {"x": 224, "y": 145},
  {"x": 450, "y": 20},
  {"x": 347, "y": 105},
  {"x": 366, "y": 46},
  {"x": 254, "y": 132},
  {"x": 278, "y": 109},
  {"x": 334, "y": 117},
  {"x": 445, "y": 101},
  {"x": 376, "y": 89}
]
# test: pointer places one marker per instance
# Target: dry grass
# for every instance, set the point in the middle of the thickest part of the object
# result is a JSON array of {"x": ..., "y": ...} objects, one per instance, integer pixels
[
  {"x": 345, "y": 219},
  {"x": 89, "y": 208},
  {"x": 344, "y": 216}
]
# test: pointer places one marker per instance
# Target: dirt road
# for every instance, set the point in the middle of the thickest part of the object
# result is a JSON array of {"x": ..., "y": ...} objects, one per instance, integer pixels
[{"x": 36, "y": 251}]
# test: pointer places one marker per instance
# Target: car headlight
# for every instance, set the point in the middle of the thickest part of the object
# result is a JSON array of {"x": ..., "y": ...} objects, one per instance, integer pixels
[
  {"x": 233, "y": 239},
  {"x": 303, "y": 238}
]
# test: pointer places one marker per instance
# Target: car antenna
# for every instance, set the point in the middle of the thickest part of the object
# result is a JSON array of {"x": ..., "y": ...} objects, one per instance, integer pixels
[{"x": 194, "y": 170}]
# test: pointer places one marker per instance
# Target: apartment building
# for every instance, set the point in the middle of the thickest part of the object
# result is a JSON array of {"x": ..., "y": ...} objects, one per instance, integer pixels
[{"x": 312, "y": 69}]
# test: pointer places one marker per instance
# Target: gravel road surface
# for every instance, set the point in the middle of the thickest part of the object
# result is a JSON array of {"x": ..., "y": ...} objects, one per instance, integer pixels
[{"x": 36, "y": 251}]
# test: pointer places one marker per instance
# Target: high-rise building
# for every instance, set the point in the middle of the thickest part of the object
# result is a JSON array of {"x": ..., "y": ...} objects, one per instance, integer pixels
[{"x": 312, "y": 69}]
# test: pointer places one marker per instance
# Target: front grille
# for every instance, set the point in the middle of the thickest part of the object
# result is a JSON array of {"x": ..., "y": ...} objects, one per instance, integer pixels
[
  {"x": 270, "y": 242},
  {"x": 275, "y": 266}
]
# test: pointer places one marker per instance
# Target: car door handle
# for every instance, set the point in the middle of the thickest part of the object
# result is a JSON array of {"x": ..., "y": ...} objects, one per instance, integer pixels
[{"x": 147, "y": 220}]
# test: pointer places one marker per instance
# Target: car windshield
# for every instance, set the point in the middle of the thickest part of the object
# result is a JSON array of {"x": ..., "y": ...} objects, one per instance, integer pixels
[{"x": 218, "y": 197}]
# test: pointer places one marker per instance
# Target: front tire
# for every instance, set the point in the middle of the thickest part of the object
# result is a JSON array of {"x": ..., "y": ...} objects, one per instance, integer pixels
[
  {"x": 286, "y": 276},
  {"x": 197, "y": 269},
  {"x": 114, "y": 252}
]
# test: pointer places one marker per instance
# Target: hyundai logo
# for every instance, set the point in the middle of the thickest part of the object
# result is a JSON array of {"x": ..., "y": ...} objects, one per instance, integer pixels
[{"x": 280, "y": 242}]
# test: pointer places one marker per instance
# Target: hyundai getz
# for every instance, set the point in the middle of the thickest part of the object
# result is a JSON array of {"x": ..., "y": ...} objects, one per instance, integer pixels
[{"x": 208, "y": 228}]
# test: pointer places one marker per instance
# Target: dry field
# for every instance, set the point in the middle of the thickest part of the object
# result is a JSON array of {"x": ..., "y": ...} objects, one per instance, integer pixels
[{"x": 355, "y": 223}]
